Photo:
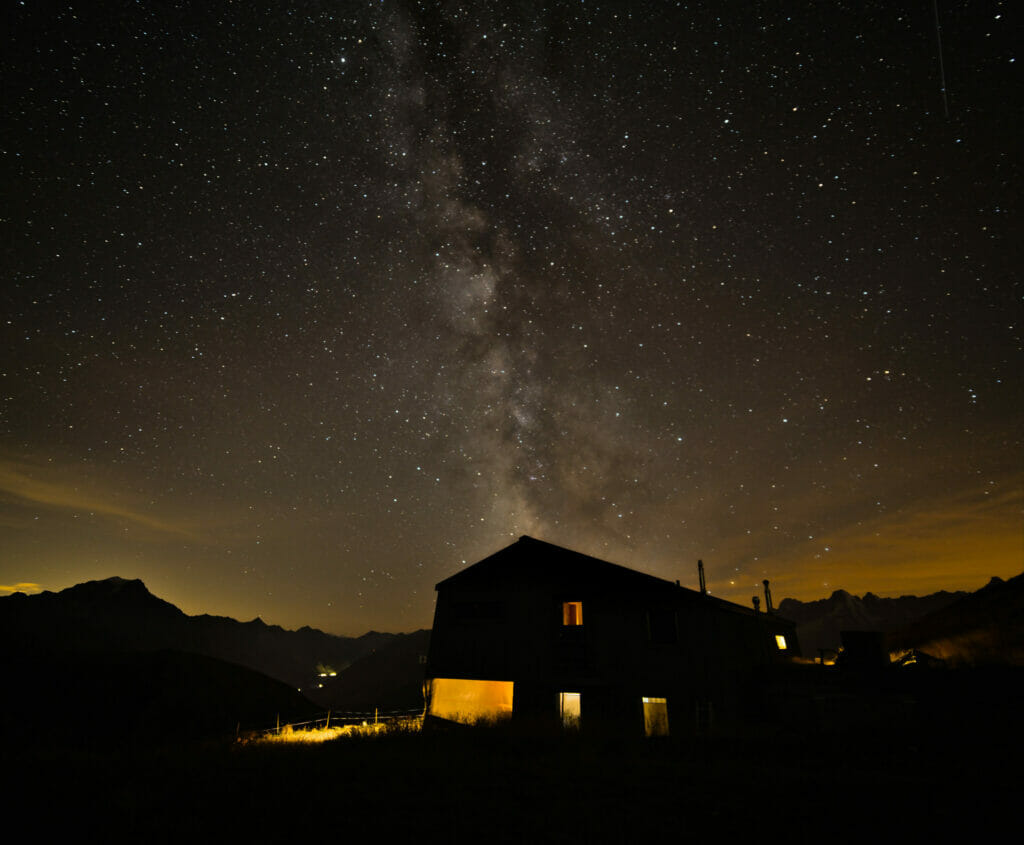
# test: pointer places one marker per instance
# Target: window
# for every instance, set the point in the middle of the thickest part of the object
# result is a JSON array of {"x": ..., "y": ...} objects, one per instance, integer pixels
[
  {"x": 569, "y": 708},
  {"x": 655, "y": 716},
  {"x": 572, "y": 613},
  {"x": 470, "y": 701},
  {"x": 780, "y": 641}
]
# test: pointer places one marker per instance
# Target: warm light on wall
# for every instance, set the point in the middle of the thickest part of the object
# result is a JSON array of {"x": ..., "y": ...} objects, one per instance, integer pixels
[
  {"x": 572, "y": 613},
  {"x": 468, "y": 701}
]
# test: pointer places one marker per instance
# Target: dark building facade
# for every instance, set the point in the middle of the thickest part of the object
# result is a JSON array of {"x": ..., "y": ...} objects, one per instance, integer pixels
[{"x": 539, "y": 632}]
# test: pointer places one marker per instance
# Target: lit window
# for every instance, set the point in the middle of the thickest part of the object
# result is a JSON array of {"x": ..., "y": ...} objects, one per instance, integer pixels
[
  {"x": 655, "y": 716},
  {"x": 572, "y": 613},
  {"x": 780, "y": 641},
  {"x": 469, "y": 701},
  {"x": 569, "y": 707}
]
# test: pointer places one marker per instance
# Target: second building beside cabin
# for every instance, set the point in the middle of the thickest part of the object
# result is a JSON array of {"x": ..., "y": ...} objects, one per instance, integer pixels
[{"x": 539, "y": 632}]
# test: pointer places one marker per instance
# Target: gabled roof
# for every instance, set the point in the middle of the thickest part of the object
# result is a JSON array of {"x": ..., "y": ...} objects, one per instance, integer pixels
[{"x": 533, "y": 562}]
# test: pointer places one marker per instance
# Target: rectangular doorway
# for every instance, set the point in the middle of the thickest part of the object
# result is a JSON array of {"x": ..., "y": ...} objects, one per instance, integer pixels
[
  {"x": 655, "y": 716},
  {"x": 569, "y": 707}
]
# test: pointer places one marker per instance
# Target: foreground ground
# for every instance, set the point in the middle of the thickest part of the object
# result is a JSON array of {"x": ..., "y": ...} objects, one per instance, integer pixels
[{"x": 498, "y": 786}]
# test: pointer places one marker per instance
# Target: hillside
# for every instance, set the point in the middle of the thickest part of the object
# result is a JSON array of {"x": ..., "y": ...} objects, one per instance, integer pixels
[
  {"x": 986, "y": 626},
  {"x": 820, "y": 622},
  {"x": 390, "y": 678},
  {"x": 120, "y": 615},
  {"x": 100, "y": 700}
]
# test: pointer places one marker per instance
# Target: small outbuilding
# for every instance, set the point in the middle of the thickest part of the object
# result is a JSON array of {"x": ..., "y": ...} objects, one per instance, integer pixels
[{"x": 540, "y": 633}]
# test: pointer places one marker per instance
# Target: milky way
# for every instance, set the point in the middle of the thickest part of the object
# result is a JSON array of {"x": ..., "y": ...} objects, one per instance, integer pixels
[{"x": 307, "y": 305}]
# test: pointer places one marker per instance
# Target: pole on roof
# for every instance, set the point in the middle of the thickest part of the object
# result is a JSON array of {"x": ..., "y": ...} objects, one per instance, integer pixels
[
  {"x": 700, "y": 572},
  {"x": 767, "y": 597}
]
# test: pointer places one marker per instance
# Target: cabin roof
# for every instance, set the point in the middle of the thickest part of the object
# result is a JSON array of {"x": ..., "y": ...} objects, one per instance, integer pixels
[{"x": 529, "y": 561}]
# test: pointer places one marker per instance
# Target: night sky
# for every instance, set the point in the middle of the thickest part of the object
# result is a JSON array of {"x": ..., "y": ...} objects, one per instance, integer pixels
[{"x": 305, "y": 306}]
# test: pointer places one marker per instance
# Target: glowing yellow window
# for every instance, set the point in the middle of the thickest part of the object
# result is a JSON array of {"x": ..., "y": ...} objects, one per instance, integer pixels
[
  {"x": 655, "y": 716},
  {"x": 469, "y": 701},
  {"x": 780, "y": 641},
  {"x": 569, "y": 705},
  {"x": 572, "y": 613}
]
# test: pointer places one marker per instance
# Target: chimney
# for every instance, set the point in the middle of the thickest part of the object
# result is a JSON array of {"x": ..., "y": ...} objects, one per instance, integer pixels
[
  {"x": 767, "y": 597},
  {"x": 757, "y": 605},
  {"x": 700, "y": 572}
]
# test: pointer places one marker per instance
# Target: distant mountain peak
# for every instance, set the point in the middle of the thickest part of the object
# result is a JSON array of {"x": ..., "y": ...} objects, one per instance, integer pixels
[
  {"x": 114, "y": 583},
  {"x": 820, "y": 622},
  {"x": 120, "y": 615},
  {"x": 116, "y": 595}
]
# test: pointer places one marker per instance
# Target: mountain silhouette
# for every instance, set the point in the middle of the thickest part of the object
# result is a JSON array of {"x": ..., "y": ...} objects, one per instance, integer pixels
[
  {"x": 983, "y": 626},
  {"x": 390, "y": 678},
  {"x": 121, "y": 615},
  {"x": 820, "y": 623},
  {"x": 103, "y": 700}
]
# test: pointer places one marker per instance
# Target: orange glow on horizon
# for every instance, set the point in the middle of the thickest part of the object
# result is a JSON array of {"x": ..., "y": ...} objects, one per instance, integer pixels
[
  {"x": 951, "y": 546},
  {"x": 28, "y": 587}
]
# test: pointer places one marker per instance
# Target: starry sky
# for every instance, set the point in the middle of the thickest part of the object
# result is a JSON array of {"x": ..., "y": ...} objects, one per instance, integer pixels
[{"x": 307, "y": 305}]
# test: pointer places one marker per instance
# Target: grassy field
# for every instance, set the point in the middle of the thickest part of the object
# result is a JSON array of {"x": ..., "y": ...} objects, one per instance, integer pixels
[
  {"x": 867, "y": 769},
  {"x": 499, "y": 785}
]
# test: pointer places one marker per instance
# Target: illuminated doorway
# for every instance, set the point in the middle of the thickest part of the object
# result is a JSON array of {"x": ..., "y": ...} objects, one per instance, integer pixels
[
  {"x": 655, "y": 716},
  {"x": 569, "y": 707}
]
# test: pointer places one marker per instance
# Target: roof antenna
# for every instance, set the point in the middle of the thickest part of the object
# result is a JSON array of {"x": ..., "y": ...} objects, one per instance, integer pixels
[
  {"x": 700, "y": 572},
  {"x": 767, "y": 597}
]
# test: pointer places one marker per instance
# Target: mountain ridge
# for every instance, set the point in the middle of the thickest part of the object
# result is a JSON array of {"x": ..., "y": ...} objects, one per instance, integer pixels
[
  {"x": 121, "y": 615},
  {"x": 986, "y": 619}
]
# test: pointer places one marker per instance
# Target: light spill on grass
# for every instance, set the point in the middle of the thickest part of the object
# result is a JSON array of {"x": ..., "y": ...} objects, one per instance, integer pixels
[{"x": 287, "y": 734}]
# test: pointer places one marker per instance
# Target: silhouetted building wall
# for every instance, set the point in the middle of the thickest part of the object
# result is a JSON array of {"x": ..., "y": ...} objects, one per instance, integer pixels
[{"x": 536, "y": 631}]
